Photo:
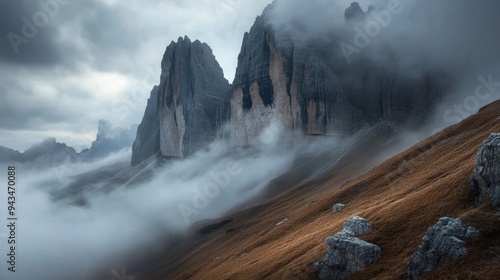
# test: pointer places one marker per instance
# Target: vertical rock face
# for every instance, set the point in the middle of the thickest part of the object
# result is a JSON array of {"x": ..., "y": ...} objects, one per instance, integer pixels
[
  {"x": 307, "y": 87},
  {"x": 147, "y": 142},
  {"x": 188, "y": 106},
  {"x": 485, "y": 180}
]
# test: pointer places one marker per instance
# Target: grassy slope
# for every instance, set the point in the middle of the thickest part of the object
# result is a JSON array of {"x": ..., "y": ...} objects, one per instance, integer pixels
[{"x": 401, "y": 198}]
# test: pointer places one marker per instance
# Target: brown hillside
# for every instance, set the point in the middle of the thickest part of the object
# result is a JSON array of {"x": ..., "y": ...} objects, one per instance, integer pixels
[{"x": 401, "y": 198}]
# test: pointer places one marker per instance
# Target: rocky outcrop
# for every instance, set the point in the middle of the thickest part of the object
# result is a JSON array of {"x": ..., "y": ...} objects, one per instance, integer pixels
[
  {"x": 485, "y": 179},
  {"x": 109, "y": 139},
  {"x": 354, "y": 12},
  {"x": 348, "y": 254},
  {"x": 305, "y": 86},
  {"x": 191, "y": 105},
  {"x": 442, "y": 243}
]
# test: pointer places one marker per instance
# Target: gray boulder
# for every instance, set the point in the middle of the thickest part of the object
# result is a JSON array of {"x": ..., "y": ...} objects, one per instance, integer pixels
[
  {"x": 338, "y": 207},
  {"x": 348, "y": 254},
  {"x": 357, "y": 226},
  {"x": 442, "y": 243},
  {"x": 485, "y": 179}
]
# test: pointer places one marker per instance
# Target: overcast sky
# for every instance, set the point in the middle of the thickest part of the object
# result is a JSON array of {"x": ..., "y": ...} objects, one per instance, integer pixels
[
  {"x": 69, "y": 63},
  {"x": 94, "y": 59}
]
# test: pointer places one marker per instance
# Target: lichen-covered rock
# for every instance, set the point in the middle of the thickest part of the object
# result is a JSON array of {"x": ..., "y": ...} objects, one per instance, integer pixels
[
  {"x": 338, "y": 207},
  {"x": 485, "y": 180},
  {"x": 357, "y": 226},
  {"x": 348, "y": 254},
  {"x": 189, "y": 105},
  {"x": 442, "y": 243}
]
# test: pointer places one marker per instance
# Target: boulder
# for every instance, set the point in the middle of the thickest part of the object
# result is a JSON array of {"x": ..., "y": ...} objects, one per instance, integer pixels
[
  {"x": 485, "y": 179},
  {"x": 338, "y": 207},
  {"x": 442, "y": 243},
  {"x": 348, "y": 254},
  {"x": 357, "y": 226}
]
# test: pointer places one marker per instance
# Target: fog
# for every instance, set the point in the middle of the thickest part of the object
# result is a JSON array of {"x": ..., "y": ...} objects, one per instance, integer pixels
[
  {"x": 456, "y": 40},
  {"x": 60, "y": 240}
]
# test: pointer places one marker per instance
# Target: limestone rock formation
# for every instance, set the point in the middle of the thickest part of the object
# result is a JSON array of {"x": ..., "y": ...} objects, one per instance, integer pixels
[
  {"x": 109, "y": 139},
  {"x": 348, "y": 254},
  {"x": 442, "y": 243},
  {"x": 485, "y": 179},
  {"x": 191, "y": 104},
  {"x": 147, "y": 142},
  {"x": 306, "y": 86}
]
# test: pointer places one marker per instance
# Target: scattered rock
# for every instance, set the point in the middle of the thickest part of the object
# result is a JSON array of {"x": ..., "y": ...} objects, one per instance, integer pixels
[
  {"x": 485, "y": 179},
  {"x": 338, "y": 207},
  {"x": 442, "y": 243},
  {"x": 348, "y": 254}
]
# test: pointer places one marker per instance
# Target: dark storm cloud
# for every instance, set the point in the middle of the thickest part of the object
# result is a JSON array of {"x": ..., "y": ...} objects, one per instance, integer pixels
[
  {"x": 36, "y": 32},
  {"x": 21, "y": 40},
  {"x": 26, "y": 105},
  {"x": 87, "y": 55}
]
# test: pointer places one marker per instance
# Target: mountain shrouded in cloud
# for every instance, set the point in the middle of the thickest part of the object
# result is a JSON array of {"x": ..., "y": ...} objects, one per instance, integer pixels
[
  {"x": 238, "y": 180},
  {"x": 284, "y": 84}
]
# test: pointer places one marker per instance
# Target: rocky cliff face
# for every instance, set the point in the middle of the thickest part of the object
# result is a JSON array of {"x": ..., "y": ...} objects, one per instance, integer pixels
[
  {"x": 284, "y": 82},
  {"x": 189, "y": 105},
  {"x": 307, "y": 87},
  {"x": 147, "y": 142}
]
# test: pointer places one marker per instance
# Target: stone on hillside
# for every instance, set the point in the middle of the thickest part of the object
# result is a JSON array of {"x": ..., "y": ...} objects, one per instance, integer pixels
[
  {"x": 338, "y": 207},
  {"x": 348, "y": 254},
  {"x": 485, "y": 179},
  {"x": 442, "y": 243}
]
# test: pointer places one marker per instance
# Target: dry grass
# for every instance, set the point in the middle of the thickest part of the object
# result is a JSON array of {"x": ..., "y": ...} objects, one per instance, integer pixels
[{"x": 401, "y": 198}]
